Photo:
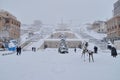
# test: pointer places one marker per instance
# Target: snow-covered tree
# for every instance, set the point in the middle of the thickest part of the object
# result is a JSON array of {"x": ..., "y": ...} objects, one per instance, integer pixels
[{"x": 63, "y": 46}]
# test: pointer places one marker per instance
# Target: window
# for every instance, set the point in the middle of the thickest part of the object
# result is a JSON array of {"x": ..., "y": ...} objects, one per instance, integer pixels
[
  {"x": 7, "y": 14},
  {"x": 6, "y": 20}
]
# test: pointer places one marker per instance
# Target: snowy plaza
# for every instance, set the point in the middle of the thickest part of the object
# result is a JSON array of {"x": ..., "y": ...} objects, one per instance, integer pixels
[
  {"x": 49, "y": 64},
  {"x": 59, "y": 39}
]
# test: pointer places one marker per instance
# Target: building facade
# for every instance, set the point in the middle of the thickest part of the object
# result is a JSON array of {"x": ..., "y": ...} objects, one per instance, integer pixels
[
  {"x": 113, "y": 24},
  {"x": 113, "y": 28},
  {"x": 116, "y": 11},
  {"x": 9, "y": 26},
  {"x": 99, "y": 26}
]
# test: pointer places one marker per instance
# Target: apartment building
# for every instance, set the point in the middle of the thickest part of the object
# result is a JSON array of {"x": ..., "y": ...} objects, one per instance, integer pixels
[
  {"x": 116, "y": 10},
  {"x": 113, "y": 24},
  {"x": 113, "y": 28},
  {"x": 9, "y": 26}
]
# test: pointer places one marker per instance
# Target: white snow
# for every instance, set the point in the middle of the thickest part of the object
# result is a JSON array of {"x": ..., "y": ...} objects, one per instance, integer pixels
[
  {"x": 11, "y": 45},
  {"x": 96, "y": 35},
  {"x": 50, "y": 65},
  {"x": 93, "y": 33}
]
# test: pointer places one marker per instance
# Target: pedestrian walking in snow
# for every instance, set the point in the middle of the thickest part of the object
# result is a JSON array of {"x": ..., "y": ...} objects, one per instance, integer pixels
[
  {"x": 75, "y": 49},
  {"x": 32, "y": 48},
  {"x": 109, "y": 45},
  {"x": 17, "y": 50},
  {"x": 113, "y": 52},
  {"x": 95, "y": 49},
  {"x": 86, "y": 44},
  {"x": 45, "y": 46}
]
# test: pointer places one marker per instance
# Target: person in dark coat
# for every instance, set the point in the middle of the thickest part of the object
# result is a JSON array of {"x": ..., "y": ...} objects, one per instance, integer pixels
[
  {"x": 17, "y": 50},
  {"x": 109, "y": 46},
  {"x": 32, "y": 48},
  {"x": 75, "y": 49},
  {"x": 45, "y": 46},
  {"x": 95, "y": 49},
  {"x": 113, "y": 52},
  {"x": 86, "y": 44}
]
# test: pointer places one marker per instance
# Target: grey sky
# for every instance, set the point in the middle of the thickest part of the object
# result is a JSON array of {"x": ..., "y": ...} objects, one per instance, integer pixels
[{"x": 51, "y": 11}]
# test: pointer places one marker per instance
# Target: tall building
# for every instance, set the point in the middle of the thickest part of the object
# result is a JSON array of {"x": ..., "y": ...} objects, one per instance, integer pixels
[
  {"x": 116, "y": 10},
  {"x": 113, "y": 28},
  {"x": 9, "y": 26},
  {"x": 113, "y": 24}
]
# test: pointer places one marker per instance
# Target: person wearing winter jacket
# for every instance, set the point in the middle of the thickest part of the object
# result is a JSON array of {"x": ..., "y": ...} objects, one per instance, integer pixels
[
  {"x": 113, "y": 52},
  {"x": 95, "y": 49}
]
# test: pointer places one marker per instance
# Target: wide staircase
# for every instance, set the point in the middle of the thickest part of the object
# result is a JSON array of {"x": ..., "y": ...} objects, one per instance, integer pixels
[{"x": 99, "y": 43}]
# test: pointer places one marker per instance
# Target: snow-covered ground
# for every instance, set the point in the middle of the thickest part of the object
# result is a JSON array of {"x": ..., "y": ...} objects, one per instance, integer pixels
[{"x": 50, "y": 65}]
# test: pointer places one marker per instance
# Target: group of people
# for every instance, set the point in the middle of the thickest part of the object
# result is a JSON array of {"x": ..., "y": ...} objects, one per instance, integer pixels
[
  {"x": 18, "y": 49},
  {"x": 85, "y": 50},
  {"x": 34, "y": 49},
  {"x": 90, "y": 52}
]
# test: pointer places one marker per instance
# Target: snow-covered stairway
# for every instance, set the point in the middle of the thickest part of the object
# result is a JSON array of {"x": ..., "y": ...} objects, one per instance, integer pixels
[
  {"x": 102, "y": 45},
  {"x": 99, "y": 43}
]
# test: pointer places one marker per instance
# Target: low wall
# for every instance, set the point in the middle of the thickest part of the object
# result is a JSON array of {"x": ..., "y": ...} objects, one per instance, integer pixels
[
  {"x": 71, "y": 43},
  {"x": 67, "y": 34}
]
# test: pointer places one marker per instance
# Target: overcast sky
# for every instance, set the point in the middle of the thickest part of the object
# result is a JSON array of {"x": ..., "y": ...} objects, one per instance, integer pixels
[{"x": 52, "y": 11}]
